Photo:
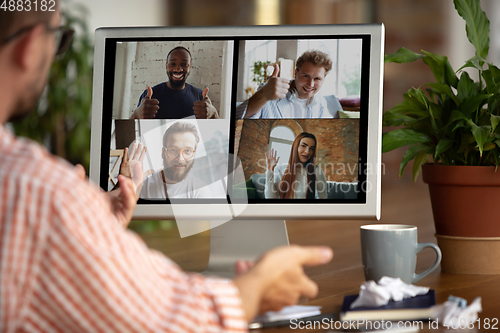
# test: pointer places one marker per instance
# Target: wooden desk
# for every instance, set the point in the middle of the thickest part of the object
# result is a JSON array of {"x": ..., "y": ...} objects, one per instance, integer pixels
[{"x": 344, "y": 274}]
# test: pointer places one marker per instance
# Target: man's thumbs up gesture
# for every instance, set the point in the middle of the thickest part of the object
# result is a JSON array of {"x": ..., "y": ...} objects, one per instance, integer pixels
[
  {"x": 204, "y": 109},
  {"x": 276, "y": 87},
  {"x": 148, "y": 107}
]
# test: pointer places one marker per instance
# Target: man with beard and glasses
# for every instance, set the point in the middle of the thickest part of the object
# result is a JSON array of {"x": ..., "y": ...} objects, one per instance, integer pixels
[
  {"x": 175, "y": 99},
  {"x": 178, "y": 153},
  {"x": 67, "y": 261}
]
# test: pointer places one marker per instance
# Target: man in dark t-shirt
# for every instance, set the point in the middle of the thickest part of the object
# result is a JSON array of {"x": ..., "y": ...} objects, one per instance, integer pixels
[{"x": 175, "y": 99}]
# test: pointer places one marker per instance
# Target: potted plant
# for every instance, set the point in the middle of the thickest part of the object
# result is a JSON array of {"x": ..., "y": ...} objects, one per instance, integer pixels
[
  {"x": 61, "y": 120},
  {"x": 259, "y": 72},
  {"x": 451, "y": 126}
]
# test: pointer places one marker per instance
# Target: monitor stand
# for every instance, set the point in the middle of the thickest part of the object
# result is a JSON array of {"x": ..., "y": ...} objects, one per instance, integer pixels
[{"x": 242, "y": 240}]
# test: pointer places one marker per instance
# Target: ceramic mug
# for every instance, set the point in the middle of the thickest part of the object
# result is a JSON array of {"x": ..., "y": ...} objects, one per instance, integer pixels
[{"x": 391, "y": 250}]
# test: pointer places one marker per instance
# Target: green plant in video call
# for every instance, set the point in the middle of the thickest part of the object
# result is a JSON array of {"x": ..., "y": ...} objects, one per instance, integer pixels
[
  {"x": 259, "y": 71},
  {"x": 61, "y": 120},
  {"x": 453, "y": 121}
]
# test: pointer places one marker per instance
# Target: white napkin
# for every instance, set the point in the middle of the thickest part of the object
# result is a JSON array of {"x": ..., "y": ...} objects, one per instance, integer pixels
[
  {"x": 374, "y": 295},
  {"x": 450, "y": 314}
]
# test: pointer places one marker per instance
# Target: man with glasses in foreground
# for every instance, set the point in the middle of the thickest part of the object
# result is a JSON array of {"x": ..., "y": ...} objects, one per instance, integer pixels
[{"x": 67, "y": 262}]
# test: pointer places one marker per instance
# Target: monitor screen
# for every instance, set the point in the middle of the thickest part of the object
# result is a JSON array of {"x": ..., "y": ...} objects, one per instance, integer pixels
[{"x": 242, "y": 122}]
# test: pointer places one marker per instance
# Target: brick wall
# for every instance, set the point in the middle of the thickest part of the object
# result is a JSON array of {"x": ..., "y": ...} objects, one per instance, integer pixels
[
  {"x": 253, "y": 145},
  {"x": 206, "y": 71},
  {"x": 337, "y": 142}
]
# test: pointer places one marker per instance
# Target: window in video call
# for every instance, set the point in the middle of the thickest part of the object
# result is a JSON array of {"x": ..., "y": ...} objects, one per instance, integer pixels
[{"x": 285, "y": 118}]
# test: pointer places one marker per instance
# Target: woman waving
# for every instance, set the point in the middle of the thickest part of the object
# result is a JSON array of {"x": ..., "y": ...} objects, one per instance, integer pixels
[{"x": 300, "y": 178}]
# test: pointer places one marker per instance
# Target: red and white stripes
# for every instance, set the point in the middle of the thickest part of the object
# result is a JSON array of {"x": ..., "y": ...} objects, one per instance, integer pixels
[{"x": 66, "y": 264}]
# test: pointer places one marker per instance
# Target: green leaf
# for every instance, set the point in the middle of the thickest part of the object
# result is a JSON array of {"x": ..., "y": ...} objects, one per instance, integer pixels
[
  {"x": 435, "y": 113},
  {"x": 474, "y": 62},
  {"x": 442, "y": 146},
  {"x": 409, "y": 155},
  {"x": 441, "y": 68},
  {"x": 466, "y": 87},
  {"x": 403, "y": 56},
  {"x": 402, "y": 137},
  {"x": 495, "y": 120},
  {"x": 437, "y": 67},
  {"x": 489, "y": 146},
  {"x": 481, "y": 134},
  {"x": 471, "y": 104},
  {"x": 477, "y": 25},
  {"x": 491, "y": 86},
  {"x": 495, "y": 71},
  {"x": 393, "y": 118},
  {"x": 444, "y": 89},
  {"x": 457, "y": 115},
  {"x": 417, "y": 95},
  {"x": 412, "y": 107},
  {"x": 460, "y": 124},
  {"x": 421, "y": 158}
]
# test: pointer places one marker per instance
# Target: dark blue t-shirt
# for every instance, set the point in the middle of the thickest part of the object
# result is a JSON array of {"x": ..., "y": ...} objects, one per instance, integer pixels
[{"x": 174, "y": 104}]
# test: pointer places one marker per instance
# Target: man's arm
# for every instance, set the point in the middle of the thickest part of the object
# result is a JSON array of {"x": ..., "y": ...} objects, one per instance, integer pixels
[
  {"x": 103, "y": 274},
  {"x": 117, "y": 278},
  {"x": 90, "y": 272},
  {"x": 275, "y": 88}
]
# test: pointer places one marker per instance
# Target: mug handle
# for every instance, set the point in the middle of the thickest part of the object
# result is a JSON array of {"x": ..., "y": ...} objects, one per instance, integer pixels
[{"x": 420, "y": 247}]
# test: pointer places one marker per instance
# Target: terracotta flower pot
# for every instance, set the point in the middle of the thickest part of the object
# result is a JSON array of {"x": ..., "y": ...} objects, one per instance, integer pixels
[
  {"x": 466, "y": 216},
  {"x": 464, "y": 199}
]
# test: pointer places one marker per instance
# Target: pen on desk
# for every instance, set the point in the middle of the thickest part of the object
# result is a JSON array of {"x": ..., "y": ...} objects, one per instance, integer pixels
[{"x": 269, "y": 324}]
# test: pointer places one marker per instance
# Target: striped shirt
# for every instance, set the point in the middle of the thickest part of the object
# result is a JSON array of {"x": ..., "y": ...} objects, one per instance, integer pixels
[
  {"x": 67, "y": 264},
  {"x": 287, "y": 107}
]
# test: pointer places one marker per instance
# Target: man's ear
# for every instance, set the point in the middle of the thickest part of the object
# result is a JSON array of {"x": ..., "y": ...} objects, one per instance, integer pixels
[
  {"x": 296, "y": 71},
  {"x": 28, "y": 47}
]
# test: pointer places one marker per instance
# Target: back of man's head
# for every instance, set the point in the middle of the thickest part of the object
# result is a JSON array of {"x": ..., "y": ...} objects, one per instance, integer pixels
[{"x": 315, "y": 57}]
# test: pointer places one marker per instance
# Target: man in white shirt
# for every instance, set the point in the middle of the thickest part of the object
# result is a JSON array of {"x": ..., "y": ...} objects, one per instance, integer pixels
[
  {"x": 178, "y": 153},
  {"x": 282, "y": 98},
  {"x": 174, "y": 180}
]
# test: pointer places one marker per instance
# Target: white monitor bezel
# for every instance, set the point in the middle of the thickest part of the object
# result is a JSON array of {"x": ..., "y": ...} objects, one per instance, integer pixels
[{"x": 369, "y": 210}]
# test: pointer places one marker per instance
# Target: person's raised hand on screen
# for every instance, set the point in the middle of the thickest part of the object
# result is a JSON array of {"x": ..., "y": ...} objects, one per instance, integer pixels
[
  {"x": 204, "y": 109},
  {"x": 132, "y": 157},
  {"x": 278, "y": 278},
  {"x": 148, "y": 108},
  {"x": 272, "y": 160},
  {"x": 275, "y": 88}
]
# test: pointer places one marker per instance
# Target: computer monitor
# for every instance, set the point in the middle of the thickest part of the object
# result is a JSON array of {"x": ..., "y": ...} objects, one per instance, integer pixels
[{"x": 294, "y": 130}]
